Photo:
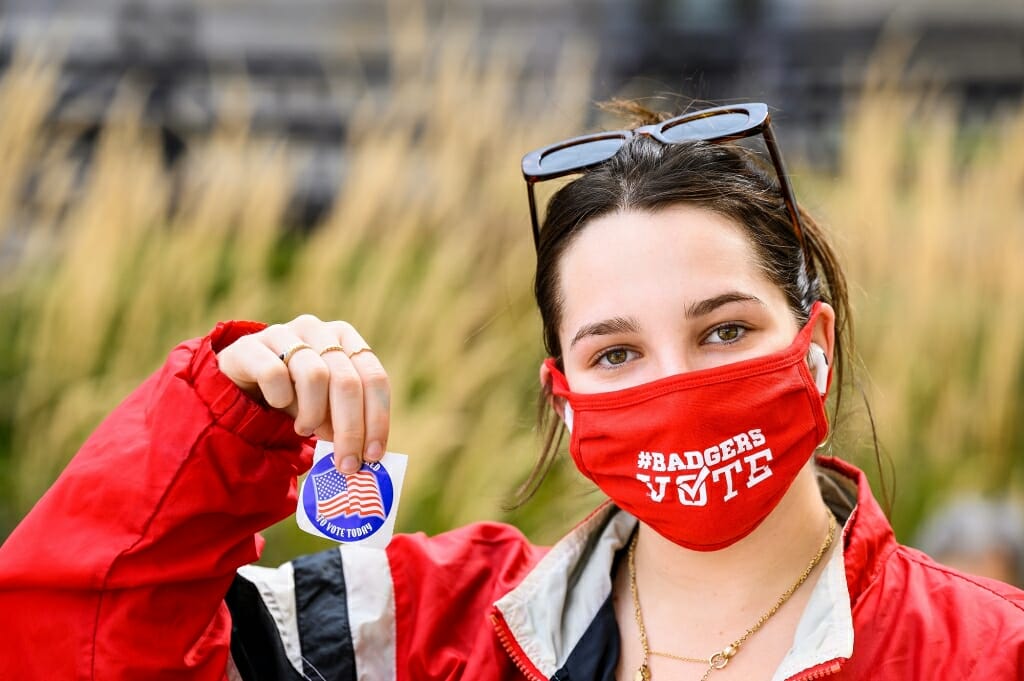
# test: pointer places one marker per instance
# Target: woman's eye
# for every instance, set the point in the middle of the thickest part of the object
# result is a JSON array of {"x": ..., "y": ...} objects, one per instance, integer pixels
[
  {"x": 727, "y": 333},
  {"x": 614, "y": 357}
]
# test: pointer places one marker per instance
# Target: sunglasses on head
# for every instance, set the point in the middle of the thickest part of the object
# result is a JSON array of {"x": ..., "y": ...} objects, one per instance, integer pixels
[{"x": 716, "y": 125}]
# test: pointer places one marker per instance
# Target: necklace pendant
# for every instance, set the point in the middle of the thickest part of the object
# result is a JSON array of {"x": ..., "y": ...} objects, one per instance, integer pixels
[
  {"x": 643, "y": 674},
  {"x": 719, "y": 660}
]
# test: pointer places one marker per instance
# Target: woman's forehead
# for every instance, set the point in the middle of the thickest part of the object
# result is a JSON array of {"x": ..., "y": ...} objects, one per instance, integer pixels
[
  {"x": 679, "y": 254},
  {"x": 673, "y": 246}
]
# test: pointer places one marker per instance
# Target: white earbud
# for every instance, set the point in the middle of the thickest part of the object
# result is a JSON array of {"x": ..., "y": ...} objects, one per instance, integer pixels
[
  {"x": 818, "y": 365},
  {"x": 567, "y": 415}
]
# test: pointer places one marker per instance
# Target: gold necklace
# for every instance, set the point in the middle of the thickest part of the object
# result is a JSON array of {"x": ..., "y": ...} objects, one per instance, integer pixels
[{"x": 719, "y": 659}]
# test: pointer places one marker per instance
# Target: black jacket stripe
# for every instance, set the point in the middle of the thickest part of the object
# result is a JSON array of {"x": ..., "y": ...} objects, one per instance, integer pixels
[
  {"x": 256, "y": 645},
  {"x": 324, "y": 632}
]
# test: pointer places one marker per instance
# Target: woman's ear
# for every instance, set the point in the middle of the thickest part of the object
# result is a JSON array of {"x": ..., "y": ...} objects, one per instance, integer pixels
[
  {"x": 557, "y": 403},
  {"x": 824, "y": 333}
]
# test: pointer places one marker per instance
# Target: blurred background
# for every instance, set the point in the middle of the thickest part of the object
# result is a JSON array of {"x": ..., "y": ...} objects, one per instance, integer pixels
[{"x": 168, "y": 164}]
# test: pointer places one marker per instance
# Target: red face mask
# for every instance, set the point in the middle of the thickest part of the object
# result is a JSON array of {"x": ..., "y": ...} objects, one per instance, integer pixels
[{"x": 703, "y": 457}]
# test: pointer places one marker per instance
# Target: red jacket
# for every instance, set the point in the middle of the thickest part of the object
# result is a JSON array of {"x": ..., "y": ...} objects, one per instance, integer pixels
[{"x": 128, "y": 568}]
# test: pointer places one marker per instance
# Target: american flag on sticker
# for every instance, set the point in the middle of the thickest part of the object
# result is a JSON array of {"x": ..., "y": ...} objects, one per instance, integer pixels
[{"x": 347, "y": 495}]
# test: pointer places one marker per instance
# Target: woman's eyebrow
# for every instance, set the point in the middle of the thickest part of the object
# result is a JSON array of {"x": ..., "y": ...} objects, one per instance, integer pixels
[
  {"x": 615, "y": 325},
  {"x": 606, "y": 327},
  {"x": 709, "y": 305}
]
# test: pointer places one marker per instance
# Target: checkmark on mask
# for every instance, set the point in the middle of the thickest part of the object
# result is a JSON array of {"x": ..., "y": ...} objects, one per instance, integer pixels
[{"x": 693, "y": 493}]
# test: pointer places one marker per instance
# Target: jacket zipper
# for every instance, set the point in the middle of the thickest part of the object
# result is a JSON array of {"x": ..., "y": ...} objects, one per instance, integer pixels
[
  {"x": 514, "y": 651},
  {"x": 819, "y": 671}
]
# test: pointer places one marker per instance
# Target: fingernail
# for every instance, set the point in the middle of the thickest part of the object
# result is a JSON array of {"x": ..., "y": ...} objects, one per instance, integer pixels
[
  {"x": 349, "y": 465},
  {"x": 374, "y": 451}
]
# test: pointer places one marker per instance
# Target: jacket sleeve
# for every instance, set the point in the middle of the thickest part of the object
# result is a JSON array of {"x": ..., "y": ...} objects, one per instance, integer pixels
[
  {"x": 121, "y": 569},
  {"x": 419, "y": 609}
]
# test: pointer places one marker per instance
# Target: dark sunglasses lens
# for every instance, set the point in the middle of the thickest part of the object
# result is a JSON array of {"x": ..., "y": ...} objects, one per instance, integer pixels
[
  {"x": 580, "y": 155},
  {"x": 708, "y": 127}
]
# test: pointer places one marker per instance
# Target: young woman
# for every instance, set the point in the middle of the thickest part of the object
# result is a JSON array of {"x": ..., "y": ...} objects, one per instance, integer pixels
[{"x": 694, "y": 318}]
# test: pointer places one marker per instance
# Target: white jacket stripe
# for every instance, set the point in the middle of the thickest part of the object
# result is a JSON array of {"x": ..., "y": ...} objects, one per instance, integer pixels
[{"x": 371, "y": 611}]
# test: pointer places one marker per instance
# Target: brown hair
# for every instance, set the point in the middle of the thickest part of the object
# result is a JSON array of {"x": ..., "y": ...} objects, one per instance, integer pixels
[{"x": 727, "y": 179}]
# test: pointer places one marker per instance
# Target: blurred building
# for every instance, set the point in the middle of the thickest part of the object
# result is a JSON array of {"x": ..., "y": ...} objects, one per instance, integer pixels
[
  {"x": 308, "y": 61},
  {"x": 808, "y": 58}
]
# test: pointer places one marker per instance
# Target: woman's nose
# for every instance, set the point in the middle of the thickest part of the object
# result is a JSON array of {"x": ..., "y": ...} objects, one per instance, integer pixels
[{"x": 673, "y": 362}]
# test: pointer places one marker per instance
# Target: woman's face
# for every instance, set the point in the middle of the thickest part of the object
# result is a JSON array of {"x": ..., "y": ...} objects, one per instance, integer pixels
[{"x": 653, "y": 294}]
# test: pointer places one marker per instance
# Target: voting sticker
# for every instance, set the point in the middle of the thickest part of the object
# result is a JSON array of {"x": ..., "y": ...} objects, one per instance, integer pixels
[{"x": 359, "y": 508}]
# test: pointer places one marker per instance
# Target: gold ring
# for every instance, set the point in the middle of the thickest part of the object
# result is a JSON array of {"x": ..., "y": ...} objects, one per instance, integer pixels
[
  {"x": 365, "y": 348},
  {"x": 287, "y": 355},
  {"x": 331, "y": 348}
]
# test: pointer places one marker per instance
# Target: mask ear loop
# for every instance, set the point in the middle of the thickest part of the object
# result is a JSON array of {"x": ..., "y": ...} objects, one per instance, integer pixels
[{"x": 827, "y": 442}]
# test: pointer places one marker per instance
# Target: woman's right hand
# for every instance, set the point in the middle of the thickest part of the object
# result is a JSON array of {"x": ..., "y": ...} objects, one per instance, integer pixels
[{"x": 342, "y": 396}]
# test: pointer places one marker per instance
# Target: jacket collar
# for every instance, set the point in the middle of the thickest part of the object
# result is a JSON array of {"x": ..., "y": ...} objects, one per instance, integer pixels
[
  {"x": 868, "y": 538},
  {"x": 548, "y": 612},
  {"x": 546, "y": 615}
]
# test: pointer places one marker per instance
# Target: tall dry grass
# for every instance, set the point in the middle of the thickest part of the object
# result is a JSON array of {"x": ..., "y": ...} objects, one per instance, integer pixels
[
  {"x": 930, "y": 216},
  {"x": 427, "y": 251}
]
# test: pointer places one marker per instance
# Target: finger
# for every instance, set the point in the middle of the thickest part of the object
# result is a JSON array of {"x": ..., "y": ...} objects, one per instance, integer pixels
[
  {"x": 346, "y": 409},
  {"x": 255, "y": 367},
  {"x": 308, "y": 374},
  {"x": 376, "y": 391},
  {"x": 325, "y": 431},
  {"x": 344, "y": 427},
  {"x": 344, "y": 392}
]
